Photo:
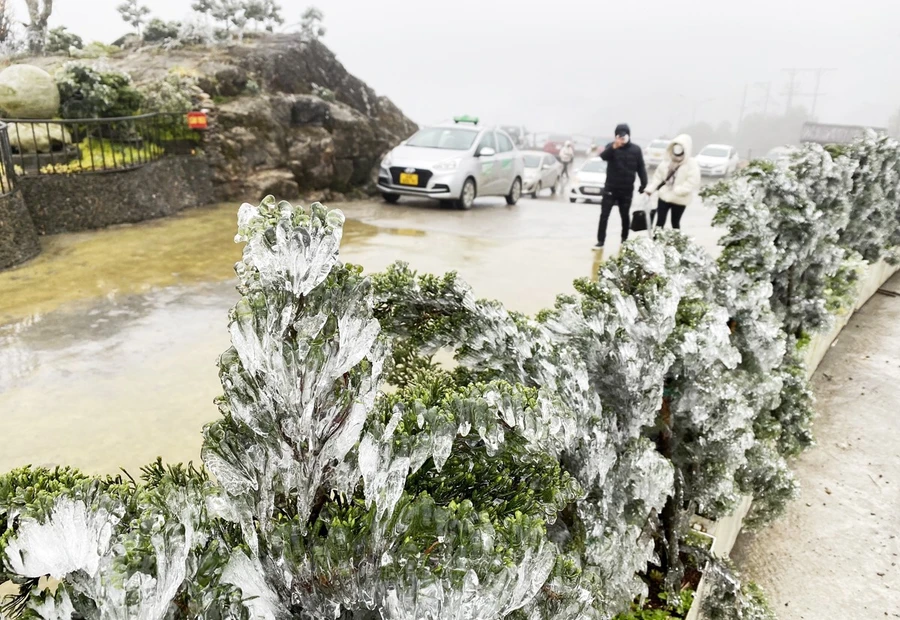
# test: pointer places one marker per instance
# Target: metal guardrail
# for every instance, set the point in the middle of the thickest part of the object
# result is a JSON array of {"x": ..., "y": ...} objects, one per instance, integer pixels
[
  {"x": 69, "y": 146},
  {"x": 7, "y": 169}
]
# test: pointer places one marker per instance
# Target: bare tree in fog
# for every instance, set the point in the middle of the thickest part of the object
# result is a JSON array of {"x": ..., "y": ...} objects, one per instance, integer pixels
[
  {"x": 7, "y": 19},
  {"x": 894, "y": 124},
  {"x": 38, "y": 13}
]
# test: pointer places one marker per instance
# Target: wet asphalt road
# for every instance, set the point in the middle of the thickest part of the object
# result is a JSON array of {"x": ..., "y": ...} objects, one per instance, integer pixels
[{"x": 108, "y": 340}]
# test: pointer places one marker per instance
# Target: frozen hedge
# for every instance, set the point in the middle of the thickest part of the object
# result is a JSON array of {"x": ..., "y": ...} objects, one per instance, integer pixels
[{"x": 547, "y": 473}]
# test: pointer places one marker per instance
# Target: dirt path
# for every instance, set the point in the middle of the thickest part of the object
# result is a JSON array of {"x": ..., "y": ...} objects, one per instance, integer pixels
[{"x": 836, "y": 554}]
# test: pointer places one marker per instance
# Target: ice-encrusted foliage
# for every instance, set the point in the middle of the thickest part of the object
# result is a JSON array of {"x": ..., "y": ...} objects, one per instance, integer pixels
[
  {"x": 544, "y": 474},
  {"x": 302, "y": 372},
  {"x": 353, "y": 502},
  {"x": 650, "y": 330},
  {"x": 874, "y": 227},
  {"x": 803, "y": 227},
  {"x": 602, "y": 537},
  {"x": 728, "y": 598},
  {"x": 794, "y": 245},
  {"x": 121, "y": 549}
]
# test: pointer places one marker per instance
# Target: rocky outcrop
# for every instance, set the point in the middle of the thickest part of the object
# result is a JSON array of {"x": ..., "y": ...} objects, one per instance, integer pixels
[
  {"x": 283, "y": 113},
  {"x": 290, "y": 117}
]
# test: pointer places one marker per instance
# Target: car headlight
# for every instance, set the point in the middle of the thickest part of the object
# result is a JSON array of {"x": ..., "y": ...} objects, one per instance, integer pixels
[
  {"x": 449, "y": 164},
  {"x": 386, "y": 162}
]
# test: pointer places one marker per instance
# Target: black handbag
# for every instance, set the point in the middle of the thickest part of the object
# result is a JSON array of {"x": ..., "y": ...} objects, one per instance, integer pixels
[{"x": 639, "y": 220}]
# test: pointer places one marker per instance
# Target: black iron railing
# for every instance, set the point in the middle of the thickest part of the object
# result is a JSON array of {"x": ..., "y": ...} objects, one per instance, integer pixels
[
  {"x": 7, "y": 169},
  {"x": 96, "y": 144}
]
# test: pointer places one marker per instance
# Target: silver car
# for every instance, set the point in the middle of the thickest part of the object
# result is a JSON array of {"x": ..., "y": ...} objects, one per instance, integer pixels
[
  {"x": 454, "y": 163},
  {"x": 542, "y": 170}
]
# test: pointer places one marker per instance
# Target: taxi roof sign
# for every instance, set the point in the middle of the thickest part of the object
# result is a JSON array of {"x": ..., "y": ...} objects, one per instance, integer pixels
[{"x": 466, "y": 119}]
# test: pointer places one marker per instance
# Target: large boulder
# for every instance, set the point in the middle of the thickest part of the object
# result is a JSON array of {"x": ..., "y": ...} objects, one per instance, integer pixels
[
  {"x": 27, "y": 91},
  {"x": 38, "y": 137},
  {"x": 278, "y": 183}
]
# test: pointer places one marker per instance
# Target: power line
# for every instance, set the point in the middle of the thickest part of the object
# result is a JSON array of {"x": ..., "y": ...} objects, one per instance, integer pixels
[{"x": 791, "y": 90}]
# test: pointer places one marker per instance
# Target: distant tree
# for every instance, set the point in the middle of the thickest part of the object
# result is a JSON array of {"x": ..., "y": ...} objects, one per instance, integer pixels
[
  {"x": 894, "y": 124},
  {"x": 133, "y": 14},
  {"x": 229, "y": 13},
  {"x": 158, "y": 30},
  {"x": 311, "y": 24},
  {"x": 61, "y": 41},
  {"x": 7, "y": 19},
  {"x": 38, "y": 14},
  {"x": 264, "y": 12},
  {"x": 757, "y": 134},
  {"x": 204, "y": 6}
]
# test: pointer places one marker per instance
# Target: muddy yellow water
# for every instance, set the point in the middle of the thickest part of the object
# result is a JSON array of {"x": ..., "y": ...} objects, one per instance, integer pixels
[{"x": 108, "y": 340}]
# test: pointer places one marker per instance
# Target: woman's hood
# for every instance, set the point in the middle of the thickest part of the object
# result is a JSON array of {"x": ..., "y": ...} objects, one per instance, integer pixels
[{"x": 686, "y": 143}]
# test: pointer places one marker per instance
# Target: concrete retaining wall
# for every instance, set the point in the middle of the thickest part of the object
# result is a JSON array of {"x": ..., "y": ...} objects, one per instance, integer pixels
[
  {"x": 18, "y": 238},
  {"x": 69, "y": 203}
]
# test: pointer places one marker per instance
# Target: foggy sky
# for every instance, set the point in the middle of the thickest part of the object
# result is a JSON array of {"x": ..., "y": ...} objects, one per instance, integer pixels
[{"x": 585, "y": 65}]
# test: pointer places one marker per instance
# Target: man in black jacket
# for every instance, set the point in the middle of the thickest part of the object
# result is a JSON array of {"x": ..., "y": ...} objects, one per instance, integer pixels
[{"x": 623, "y": 159}]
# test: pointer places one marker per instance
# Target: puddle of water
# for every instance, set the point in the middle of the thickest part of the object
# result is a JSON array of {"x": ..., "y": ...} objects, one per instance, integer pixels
[{"x": 193, "y": 246}]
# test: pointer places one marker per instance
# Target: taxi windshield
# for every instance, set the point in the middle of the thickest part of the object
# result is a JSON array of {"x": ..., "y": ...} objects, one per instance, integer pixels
[{"x": 449, "y": 138}]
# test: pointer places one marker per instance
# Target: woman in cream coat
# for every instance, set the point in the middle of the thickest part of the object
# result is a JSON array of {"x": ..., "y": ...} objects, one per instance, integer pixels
[{"x": 677, "y": 179}]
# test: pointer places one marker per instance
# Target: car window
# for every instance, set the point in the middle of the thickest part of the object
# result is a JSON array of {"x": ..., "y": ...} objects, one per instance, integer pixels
[
  {"x": 659, "y": 144},
  {"x": 487, "y": 140},
  {"x": 549, "y": 160},
  {"x": 715, "y": 151},
  {"x": 504, "y": 142},
  {"x": 443, "y": 138},
  {"x": 532, "y": 161}
]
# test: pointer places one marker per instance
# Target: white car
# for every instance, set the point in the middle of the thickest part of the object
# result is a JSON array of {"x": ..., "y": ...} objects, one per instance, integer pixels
[
  {"x": 541, "y": 170},
  {"x": 781, "y": 154},
  {"x": 588, "y": 181},
  {"x": 454, "y": 163},
  {"x": 656, "y": 152},
  {"x": 717, "y": 160}
]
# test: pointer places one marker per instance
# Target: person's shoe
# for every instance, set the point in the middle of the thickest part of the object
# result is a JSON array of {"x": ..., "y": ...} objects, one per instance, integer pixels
[{"x": 599, "y": 246}]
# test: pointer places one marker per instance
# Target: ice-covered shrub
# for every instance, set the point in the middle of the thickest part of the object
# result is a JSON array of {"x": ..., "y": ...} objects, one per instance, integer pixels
[
  {"x": 95, "y": 91},
  {"x": 160, "y": 31},
  {"x": 538, "y": 477},
  {"x": 175, "y": 93},
  {"x": 61, "y": 41}
]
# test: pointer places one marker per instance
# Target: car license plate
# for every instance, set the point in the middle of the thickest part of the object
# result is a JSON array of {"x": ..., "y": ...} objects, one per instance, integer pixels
[
  {"x": 407, "y": 178},
  {"x": 591, "y": 190}
]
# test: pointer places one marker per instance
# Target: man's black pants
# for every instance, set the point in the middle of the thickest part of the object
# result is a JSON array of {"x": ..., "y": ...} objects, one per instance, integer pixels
[{"x": 612, "y": 197}]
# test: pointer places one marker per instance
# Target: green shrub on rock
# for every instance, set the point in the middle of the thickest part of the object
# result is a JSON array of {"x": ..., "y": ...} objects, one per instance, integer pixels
[
  {"x": 174, "y": 93},
  {"x": 160, "y": 31},
  {"x": 61, "y": 41},
  {"x": 93, "y": 91}
]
